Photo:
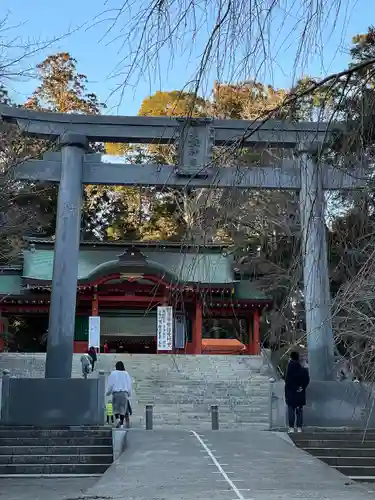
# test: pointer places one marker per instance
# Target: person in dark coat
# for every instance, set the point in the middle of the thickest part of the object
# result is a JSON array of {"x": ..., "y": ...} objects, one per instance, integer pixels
[
  {"x": 296, "y": 381},
  {"x": 93, "y": 356}
]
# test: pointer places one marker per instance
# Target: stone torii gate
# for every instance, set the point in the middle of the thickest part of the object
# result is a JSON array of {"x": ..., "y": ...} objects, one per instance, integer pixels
[{"x": 72, "y": 167}]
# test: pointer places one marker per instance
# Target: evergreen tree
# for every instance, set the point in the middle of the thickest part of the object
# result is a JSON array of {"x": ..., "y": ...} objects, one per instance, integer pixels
[{"x": 62, "y": 88}]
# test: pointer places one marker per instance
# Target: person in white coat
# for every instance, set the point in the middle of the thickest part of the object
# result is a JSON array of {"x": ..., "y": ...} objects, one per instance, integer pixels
[{"x": 120, "y": 387}]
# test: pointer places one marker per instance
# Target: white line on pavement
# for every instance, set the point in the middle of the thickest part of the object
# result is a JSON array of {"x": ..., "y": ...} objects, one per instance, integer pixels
[{"x": 220, "y": 468}]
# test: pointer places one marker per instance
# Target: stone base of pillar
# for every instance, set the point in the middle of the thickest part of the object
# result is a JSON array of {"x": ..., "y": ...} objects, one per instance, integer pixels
[{"x": 53, "y": 402}]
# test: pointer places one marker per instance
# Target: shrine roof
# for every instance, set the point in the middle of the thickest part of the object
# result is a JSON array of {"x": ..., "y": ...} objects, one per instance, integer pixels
[
  {"x": 182, "y": 246},
  {"x": 182, "y": 264},
  {"x": 185, "y": 267},
  {"x": 10, "y": 284}
]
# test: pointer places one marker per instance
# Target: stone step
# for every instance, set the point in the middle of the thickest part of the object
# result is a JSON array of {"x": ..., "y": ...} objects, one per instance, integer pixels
[
  {"x": 193, "y": 399},
  {"x": 254, "y": 418},
  {"x": 56, "y": 459},
  {"x": 224, "y": 412},
  {"x": 336, "y": 443},
  {"x": 54, "y": 433},
  {"x": 243, "y": 399},
  {"x": 349, "y": 461},
  {"x": 181, "y": 384},
  {"x": 342, "y": 452},
  {"x": 56, "y": 441},
  {"x": 349, "y": 470},
  {"x": 206, "y": 426},
  {"x": 52, "y": 469},
  {"x": 84, "y": 429},
  {"x": 363, "y": 479},
  {"x": 61, "y": 450},
  {"x": 336, "y": 435}
]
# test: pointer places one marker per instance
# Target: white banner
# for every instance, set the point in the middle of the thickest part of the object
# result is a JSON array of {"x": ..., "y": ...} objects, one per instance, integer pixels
[
  {"x": 94, "y": 331},
  {"x": 165, "y": 328}
]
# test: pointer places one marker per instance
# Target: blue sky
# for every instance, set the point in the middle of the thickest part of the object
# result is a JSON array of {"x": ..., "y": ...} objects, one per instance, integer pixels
[{"x": 44, "y": 19}]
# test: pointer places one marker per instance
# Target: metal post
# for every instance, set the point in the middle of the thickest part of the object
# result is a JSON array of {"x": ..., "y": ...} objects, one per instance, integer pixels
[
  {"x": 270, "y": 403},
  {"x": 65, "y": 265},
  {"x": 315, "y": 270},
  {"x": 149, "y": 417},
  {"x": 215, "y": 417}
]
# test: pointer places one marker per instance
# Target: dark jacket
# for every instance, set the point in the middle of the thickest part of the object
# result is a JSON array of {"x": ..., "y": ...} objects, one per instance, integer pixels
[
  {"x": 296, "y": 380},
  {"x": 92, "y": 354}
]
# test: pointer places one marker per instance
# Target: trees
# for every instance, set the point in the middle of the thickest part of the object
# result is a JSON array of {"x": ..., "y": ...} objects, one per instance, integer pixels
[
  {"x": 173, "y": 103},
  {"x": 63, "y": 89},
  {"x": 19, "y": 213},
  {"x": 150, "y": 213},
  {"x": 248, "y": 100}
]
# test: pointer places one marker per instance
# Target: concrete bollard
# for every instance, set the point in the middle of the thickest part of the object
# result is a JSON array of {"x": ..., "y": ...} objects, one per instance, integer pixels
[
  {"x": 215, "y": 417},
  {"x": 149, "y": 417},
  {"x": 4, "y": 396}
]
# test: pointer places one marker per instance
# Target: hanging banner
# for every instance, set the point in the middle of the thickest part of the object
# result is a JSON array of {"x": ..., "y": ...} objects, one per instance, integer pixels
[
  {"x": 94, "y": 331},
  {"x": 165, "y": 328}
]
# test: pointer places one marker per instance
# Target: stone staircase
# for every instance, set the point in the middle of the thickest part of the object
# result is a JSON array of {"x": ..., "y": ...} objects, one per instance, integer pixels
[
  {"x": 54, "y": 452},
  {"x": 350, "y": 452},
  {"x": 181, "y": 388}
]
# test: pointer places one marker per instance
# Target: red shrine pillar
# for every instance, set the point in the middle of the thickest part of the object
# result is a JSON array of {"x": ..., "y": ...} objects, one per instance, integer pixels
[
  {"x": 95, "y": 305},
  {"x": 197, "y": 328},
  {"x": 250, "y": 327},
  {"x": 256, "y": 332},
  {"x": 253, "y": 347},
  {"x": 2, "y": 333}
]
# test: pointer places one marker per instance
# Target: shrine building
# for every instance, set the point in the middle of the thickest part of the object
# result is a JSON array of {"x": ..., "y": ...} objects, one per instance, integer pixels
[{"x": 124, "y": 283}]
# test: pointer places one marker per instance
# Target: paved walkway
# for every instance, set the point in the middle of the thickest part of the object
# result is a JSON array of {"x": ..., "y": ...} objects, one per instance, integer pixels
[
  {"x": 225, "y": 465},
  {"x": 43, "y": 488}
]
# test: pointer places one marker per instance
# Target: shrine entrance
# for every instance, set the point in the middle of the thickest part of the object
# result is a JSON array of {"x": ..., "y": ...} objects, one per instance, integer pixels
[{"x": 130, "y": 345}]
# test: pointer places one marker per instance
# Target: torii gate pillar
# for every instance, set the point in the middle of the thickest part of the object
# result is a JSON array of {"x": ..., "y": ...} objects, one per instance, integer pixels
[
  {"x": 317, "y": 294},
  {"x": 65, "y": 265}
]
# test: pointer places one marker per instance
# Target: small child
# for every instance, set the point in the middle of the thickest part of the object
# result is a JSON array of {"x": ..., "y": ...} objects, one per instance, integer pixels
[{"x": 109, "y": 409}]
